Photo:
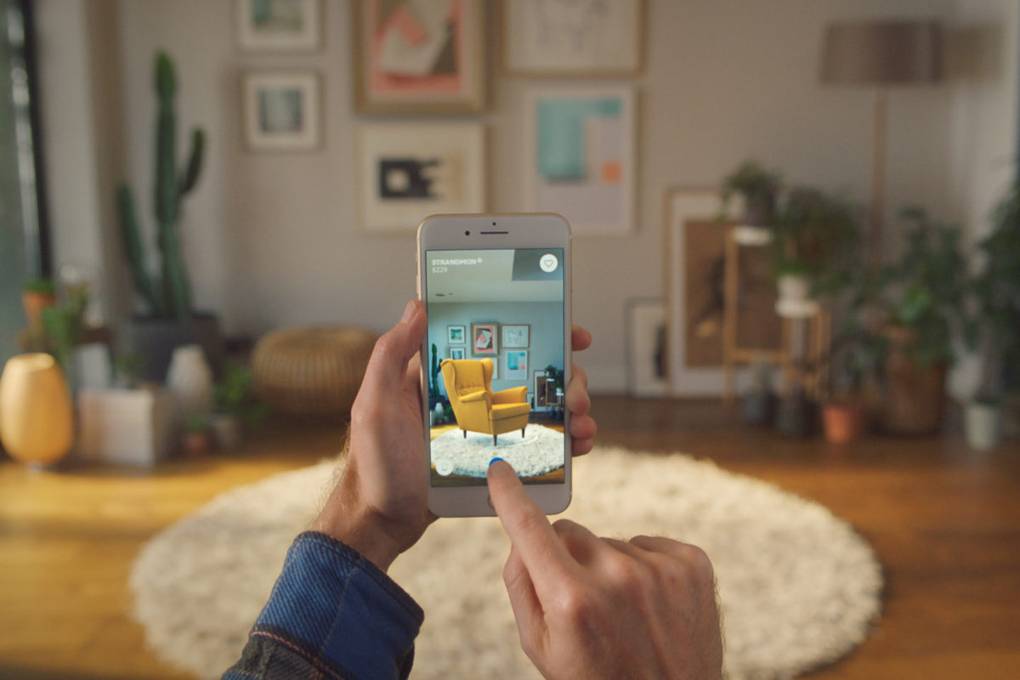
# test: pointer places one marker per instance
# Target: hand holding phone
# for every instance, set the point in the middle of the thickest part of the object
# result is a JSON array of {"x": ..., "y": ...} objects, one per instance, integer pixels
[
  {"x": 380, "y": 505},
  {"x": 590, "y": 607}
]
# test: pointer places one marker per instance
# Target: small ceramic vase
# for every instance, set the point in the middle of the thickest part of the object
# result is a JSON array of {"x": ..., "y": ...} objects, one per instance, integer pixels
[
  {"x": 190, "y": 380},
  {"x": 36, "y": 418}
]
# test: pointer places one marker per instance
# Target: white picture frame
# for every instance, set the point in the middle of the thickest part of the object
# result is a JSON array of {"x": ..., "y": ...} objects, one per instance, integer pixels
[
  {"x": 515, "y": 363},
  {"x": 279, "y": 25},
  {"x": 584, "y": 38},
  {"x": 409, "y": 170},
  {"x": 581, "y": 157},
  {"x": 682, "y": 205},
  {"x": 457, "y": 353},
  {"x": 647, "y": 348},
  {"x": 516, "y": 335},
  {"x": 456, "y": 335},
  {"x": 281, "y": 111}
]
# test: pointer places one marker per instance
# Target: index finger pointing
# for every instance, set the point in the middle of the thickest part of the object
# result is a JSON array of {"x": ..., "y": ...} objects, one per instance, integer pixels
[{"x": 532, "y": 536}]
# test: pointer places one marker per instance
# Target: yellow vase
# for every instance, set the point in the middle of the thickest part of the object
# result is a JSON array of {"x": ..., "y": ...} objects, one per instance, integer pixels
[{"x": 36, "y": 418}]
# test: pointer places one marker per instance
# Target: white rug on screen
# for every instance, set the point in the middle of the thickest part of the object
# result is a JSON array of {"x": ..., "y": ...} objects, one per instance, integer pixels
[
  {"x": 798, "y": 586},
  {"x": 539, "y": 451}
]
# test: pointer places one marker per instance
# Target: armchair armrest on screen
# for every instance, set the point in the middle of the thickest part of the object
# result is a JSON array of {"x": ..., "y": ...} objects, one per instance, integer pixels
[{"x": 512, "y": 395}]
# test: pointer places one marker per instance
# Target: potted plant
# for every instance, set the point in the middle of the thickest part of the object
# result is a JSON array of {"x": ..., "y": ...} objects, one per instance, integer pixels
[
  {"x": 814, "y": 240},
  {"x": 852, "y": 364},
  {"x": 196, "y": 441},
  {"x": 759, "y": 189},
  {"x": 128, "y": 424},
  {"x": 36, "y": 295},
  {"x": 920, "y": 297},
  {"x": 236, "y": 406},
  {"x": 995, "y": 326},
  {"x": 169, "y": 320}
]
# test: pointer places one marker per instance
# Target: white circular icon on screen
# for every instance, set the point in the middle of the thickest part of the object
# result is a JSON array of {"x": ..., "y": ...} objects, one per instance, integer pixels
[
  {"x": 548, "y": 262},
  {"x": 444, "y": 467}
]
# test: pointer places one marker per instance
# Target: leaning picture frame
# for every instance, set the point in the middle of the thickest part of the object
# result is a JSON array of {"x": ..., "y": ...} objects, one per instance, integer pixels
[{"x": 420, "y": 60}]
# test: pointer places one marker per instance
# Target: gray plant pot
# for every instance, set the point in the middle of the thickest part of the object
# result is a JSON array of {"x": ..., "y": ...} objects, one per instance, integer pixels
[
  {"x": 154, "y": 341},
  {"x": 983, "y": 425}
]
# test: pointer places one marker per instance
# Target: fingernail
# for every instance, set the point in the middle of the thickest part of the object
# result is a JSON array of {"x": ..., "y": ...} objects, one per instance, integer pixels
[
  {"x": 495, "y": 459},
  {"x": 408, "y": 312}
]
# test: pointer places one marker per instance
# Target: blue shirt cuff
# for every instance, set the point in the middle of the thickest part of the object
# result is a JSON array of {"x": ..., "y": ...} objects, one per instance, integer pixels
[{"x": 341, "y": 610}]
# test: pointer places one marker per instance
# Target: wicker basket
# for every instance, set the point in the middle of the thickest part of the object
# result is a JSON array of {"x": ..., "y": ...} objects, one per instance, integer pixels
[{"x": 312, "y": 372}]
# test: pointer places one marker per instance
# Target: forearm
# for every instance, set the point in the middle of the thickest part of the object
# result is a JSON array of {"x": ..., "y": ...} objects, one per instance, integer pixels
[{"x": 334, "y": 614}]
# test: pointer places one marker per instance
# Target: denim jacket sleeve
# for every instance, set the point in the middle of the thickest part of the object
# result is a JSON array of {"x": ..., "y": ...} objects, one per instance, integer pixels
[{"x": 332, "y": 614}]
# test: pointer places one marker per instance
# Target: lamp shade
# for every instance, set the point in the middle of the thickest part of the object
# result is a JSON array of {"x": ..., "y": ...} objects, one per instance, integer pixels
[{"x": 882, "y": 53}]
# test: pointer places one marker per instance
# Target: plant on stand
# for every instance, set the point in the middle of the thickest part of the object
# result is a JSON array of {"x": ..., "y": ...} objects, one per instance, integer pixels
[
  {"x": 759, "y": 188},
  {"x": 852, "y": 366},
  {"x": 995, "y": 328},
  {"x": 169, "y": 320},
  {"x": 813, "y": 247}
]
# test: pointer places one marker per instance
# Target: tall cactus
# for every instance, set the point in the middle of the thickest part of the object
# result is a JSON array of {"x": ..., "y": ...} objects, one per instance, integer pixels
[{"x": 170, "y": 295}]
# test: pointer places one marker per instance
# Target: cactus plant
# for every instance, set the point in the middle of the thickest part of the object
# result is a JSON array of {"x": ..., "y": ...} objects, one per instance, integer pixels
[
  {"x": 434, "y": 374},
  {"x": 169, "y": 294}
]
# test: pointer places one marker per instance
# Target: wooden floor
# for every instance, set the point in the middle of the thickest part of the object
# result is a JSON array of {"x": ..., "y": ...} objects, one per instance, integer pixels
[{"x": 945, "y": 523}]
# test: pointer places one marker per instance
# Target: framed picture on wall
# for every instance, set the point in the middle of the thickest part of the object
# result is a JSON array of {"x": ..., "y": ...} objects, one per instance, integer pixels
[
  {"x": 484, "y": 340},
  {"x": 516, "y": 336},
  {"x": 458, "y": 353},
  {"x": 418, "y": 57},
  {"x": 647, "y": 374},
  {"x": 278, "y": 24},
  {"x": 516, "y": 364},
  {"x": 694, "y": 252},
  {"x": 408, "y": 171},
  {"x": 580, "y": 38},
  {"x": 456, "y": 335},
  {"x": 539, "y": 389},
  {"x": 281, "y": 111},
  {"x": 581, "y": 157}
]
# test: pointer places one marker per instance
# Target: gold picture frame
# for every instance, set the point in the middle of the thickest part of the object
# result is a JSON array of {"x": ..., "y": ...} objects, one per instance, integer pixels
[{"x": 431, "y": 100}]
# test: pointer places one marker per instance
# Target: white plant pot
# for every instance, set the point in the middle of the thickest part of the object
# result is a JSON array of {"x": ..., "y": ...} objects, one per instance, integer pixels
[
  {"x": 190, "y": 380},
  {"x": 747, "y": 235},
  {"x": 227, "y": 431},
  {"x": 794, "y": 288},
  {"x": 983, "y": 425},
  {"x": 126, "y": 427}
]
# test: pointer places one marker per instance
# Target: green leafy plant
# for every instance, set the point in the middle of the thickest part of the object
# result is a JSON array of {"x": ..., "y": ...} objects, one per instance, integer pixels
[
  {"x": 816, "y": 236},
  {"x": 127, "y": 370},
  {"x": 923, "y": 292},
  {"x": 40, "y": 286},
  {"x": 234, "y": 395},
  {"x": 63, "y": 324},
  {"x": 169, "y": 294},
  {"x": 759, "y": 188},
  {"x": 434, "y": 377},
  {"x": 196, "y": 424},
  {"x": 995, "y": 324},
  {"x": 554, "y": 374}
]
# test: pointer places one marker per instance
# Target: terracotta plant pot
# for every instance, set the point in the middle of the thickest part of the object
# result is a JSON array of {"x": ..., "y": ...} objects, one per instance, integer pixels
[
  {"x": 843, "y": 421},
  {"x": 34, "y": 304},
  {"x": 915, "y": 393},
  {"x": 196, "y": 444}
]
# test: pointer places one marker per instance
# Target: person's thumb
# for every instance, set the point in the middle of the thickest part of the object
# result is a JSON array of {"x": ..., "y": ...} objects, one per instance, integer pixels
[{"x": 395, "y": 348}]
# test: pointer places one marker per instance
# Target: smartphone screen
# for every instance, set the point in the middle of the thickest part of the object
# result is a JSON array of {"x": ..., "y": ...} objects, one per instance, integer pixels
[{"x": 494, "y": 363}]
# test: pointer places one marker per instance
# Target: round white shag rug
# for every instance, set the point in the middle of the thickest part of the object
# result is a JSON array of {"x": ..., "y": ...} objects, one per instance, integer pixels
[
  {"x": 798, "y": 587},
  {"x": 538, "y": 451}
]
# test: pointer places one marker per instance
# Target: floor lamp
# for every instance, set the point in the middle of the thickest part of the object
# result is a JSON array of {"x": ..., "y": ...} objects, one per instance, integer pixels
[{"x": 881, "y": 55}]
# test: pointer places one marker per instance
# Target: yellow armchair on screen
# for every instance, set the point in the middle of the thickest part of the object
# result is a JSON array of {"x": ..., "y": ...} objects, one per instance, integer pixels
[{"x": 476, "y": 407}]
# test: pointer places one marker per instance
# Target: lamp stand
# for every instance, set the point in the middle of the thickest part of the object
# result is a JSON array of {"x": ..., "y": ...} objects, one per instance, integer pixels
[{"x": 878, "y": 152}]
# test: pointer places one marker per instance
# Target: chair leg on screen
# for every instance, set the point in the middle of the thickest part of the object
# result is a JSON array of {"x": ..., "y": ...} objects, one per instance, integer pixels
[
  {"x": 522, "y": 433},
  {"x": 493, "y": 440},
  {"x": 465, "y": 433}
]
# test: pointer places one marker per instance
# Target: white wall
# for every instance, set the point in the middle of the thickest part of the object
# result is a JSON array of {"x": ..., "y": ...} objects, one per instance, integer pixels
[{"x": 273, "y": 239}]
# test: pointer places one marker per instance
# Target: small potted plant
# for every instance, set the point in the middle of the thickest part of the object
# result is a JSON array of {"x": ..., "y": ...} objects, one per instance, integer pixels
[
  {"x": 196, "y": 441},
  {"x": 236, "y": 406},
  {"x": 759, "y": 188},
  {"x": 814, "y": 241},
  {"x": 995, "y": 327},
  {"x": 855, "y": 357},
  {"x": 37, "y": 294}
]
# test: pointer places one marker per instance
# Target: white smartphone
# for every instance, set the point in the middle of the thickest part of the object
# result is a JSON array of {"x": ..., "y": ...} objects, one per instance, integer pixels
[{"x": 496, "y": 358}]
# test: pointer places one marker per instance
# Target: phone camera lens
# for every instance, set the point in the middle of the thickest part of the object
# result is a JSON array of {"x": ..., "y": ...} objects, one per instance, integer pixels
[
  {"x": 494, "y": 224},
  {"x": 467, "y": 233}
]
